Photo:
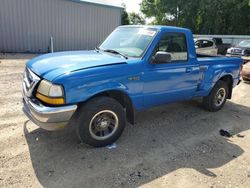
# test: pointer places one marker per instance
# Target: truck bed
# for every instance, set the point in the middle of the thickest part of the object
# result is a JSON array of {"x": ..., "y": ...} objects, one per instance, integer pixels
[
  {"x": 212, "y": 68},
  {"x": 200, "y": 55},
  {"x": 217, "y": 59}
]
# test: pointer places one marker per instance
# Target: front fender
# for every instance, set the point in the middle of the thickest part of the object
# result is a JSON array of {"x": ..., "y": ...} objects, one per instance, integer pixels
[
  {"x": 111, "y": 86},
  {"x": 84, "y": 91}
]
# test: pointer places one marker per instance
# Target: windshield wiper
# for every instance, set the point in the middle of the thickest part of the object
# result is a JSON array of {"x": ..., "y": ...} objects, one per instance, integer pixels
[
  {"x": 97, "y": 49},
  {"x": 115, "y": 52}
]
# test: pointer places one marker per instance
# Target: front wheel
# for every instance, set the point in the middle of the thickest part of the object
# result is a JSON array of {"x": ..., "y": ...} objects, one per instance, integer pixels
[
  {"x": 100, "y": 121},
  {"x": 217, "y": 97}
]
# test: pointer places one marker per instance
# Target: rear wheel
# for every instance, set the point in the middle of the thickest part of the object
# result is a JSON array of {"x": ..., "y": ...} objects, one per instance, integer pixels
[
  {"x": 100, "y": 121},
  {"x": 217, "y": 97}
]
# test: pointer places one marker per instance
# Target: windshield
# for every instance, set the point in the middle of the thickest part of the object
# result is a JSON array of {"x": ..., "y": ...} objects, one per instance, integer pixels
[
  {"x": 244, "y": 43},
  {"x": 131, "y": 42}
]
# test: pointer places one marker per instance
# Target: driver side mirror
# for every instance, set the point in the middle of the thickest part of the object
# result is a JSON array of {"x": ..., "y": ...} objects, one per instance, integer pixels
[{"x": 161, "y": 57}]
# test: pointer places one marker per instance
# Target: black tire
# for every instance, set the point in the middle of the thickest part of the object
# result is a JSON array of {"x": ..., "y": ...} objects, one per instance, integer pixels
[
  {"x": 211, "y": 102},
  {"x": 108, "y": 108}
]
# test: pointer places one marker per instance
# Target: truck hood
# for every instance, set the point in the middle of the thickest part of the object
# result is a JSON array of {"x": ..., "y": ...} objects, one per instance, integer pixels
[{"x": 52, "y": 65}]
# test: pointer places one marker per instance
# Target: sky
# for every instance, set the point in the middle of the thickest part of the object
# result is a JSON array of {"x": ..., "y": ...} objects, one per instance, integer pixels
[{"x": 132, "y": 5}]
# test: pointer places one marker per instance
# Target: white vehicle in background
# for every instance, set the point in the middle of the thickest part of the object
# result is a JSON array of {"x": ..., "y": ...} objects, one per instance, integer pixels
[
  {"x": 206, "y": 46},
  {"x": 240, "y": 50}
]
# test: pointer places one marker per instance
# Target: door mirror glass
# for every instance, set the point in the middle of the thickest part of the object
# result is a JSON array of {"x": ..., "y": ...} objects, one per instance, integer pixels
[{"x": 162, "y": 57}]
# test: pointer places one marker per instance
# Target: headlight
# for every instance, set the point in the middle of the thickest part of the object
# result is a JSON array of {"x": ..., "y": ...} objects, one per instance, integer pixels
[
  {"x": 50, "y": 93},
  {"x": 56, "y": 91}
]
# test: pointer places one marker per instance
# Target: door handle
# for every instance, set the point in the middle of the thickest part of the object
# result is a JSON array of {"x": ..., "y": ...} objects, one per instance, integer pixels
[{"x": 189, "y": 69}]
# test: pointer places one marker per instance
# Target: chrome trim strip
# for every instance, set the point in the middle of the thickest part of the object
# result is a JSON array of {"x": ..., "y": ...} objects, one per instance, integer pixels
[{"x": 28, "y": 86}]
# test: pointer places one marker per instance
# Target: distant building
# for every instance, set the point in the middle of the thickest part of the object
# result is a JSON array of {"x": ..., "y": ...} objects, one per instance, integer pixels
[{"x": 33, "y": 25}]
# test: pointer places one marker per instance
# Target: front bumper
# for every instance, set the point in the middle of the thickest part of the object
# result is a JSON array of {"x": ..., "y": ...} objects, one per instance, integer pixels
[{"x": 48, "y": 118}]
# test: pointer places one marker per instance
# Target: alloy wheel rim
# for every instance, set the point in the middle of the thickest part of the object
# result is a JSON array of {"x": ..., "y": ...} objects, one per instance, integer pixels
[
  {"x": 103, "y": 125},
  {"x": 220, "y": 97}
]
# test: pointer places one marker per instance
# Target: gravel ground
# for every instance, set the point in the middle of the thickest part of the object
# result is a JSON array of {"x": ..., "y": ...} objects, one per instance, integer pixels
[{"x": 176, "y": 145}]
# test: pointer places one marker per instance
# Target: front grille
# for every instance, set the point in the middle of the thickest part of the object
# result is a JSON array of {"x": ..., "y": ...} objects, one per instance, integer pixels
[
  {"x": 29, "y": 77},
  {"x": 30, "y": 80}
]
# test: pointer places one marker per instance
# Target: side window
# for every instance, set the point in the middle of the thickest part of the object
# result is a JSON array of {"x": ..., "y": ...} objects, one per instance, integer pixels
[
  {"x": 206, "y": 44},
  {"x": 175, "y": 44}
]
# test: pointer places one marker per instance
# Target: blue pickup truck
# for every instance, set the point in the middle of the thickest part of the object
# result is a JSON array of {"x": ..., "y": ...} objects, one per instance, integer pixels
[{"x": 135, "y": 68}]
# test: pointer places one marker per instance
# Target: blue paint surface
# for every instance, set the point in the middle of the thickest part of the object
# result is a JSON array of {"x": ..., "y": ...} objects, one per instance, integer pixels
[{"x": 84, "y": 74}]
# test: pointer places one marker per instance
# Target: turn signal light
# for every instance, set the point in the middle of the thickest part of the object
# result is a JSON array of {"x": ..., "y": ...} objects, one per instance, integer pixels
[{"x": 50, "y": 100}]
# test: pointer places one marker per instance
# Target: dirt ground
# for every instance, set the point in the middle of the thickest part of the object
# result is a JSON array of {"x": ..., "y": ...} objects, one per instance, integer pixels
[{"x": 176, "y": 145}]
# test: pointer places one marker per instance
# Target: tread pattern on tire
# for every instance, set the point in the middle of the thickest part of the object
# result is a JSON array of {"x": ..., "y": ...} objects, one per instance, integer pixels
[
  {"x": 208, "y": 101},
  {"x": 86, "y": 112}
]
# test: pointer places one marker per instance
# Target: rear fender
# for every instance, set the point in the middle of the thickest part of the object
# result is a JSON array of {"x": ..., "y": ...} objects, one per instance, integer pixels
[
  {"x": 211, "y": 77},
  {"x": 227, "y": 77}
]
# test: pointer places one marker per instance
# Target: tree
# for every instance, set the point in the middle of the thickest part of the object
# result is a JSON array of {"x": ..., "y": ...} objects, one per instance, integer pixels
[
  {"x": 136, "y": 19},
  {"x": 201, "y": 16},
  {"x": 151, "y": 8},
  {"x": 125, "y": 18},
  {"x": 225, "y": 17}
]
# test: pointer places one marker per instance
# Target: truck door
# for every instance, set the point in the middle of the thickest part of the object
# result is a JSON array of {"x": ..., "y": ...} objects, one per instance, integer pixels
[{"x": 173, "y": 81}]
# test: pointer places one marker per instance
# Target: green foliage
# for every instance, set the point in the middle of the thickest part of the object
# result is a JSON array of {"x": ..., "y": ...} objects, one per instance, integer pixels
[
  {"x": 201, "y": 16},
  {"x": 136, "y": 19},
  {"x": 131, "y": 18},
  {"x": 125, "y": 18}
]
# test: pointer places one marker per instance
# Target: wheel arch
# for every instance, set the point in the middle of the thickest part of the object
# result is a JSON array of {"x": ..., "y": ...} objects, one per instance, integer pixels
[
  {"x": 122, "y": 97},
  {"x": 229, "y": 80}
]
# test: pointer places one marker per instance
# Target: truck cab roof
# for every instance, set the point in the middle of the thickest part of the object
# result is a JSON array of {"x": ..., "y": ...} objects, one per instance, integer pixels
[{"x": 159, "y": 27}]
